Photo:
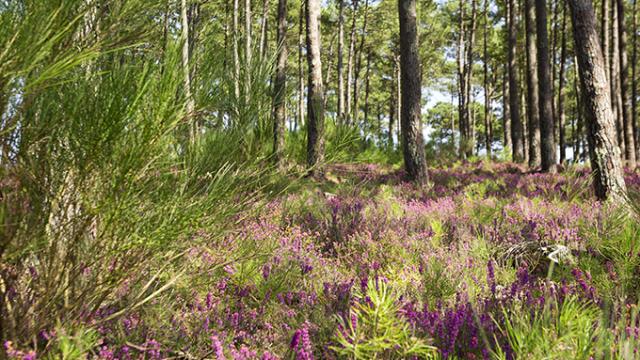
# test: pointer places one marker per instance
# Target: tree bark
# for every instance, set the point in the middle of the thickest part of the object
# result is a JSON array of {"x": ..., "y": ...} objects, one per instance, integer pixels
[
  {"x": 506, "y": 112},
  {"x": 367, "y": 89},
  {"x": 604, "y": 154},
  {"x": 315, "y": 101},
  {"x": 247, "y": 52},
  {"x": 328, "y": 67},
  {"x": 462, "y": 85},
  {"x": 627, "y": 118},
  {"x": 411, "y": 123},
  {"x": 301, "y": 84},
  {"x": 634, "y": 80},
  {"x": 604, "y": 33},
  {"x": 358, "y": 67},
  {"x": 561, "y": 83},
  {"x": 614, "y": 80},
  {"x": 514, "y": 97},
  {"x": 548, "y": 148},
  {"x": 470, "y": 123},
  {"x": 263, "y": 31},
  {"x": 189, "y": 103},
  {"x": 487, "y": 91},
  {"x": 350, "y": 58},
  {"x": 280, "y": 85},
  {"x": 398, "y": 95},
  {"x": 533, "y": 111},
  {"x": 236, "y": 58},
  {"x": 340, "y": 109},
  {"x": 392, "y": 113}
]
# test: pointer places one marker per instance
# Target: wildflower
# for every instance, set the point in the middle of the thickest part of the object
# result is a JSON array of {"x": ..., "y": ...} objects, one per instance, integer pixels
[{"x": 491, "y": 278}]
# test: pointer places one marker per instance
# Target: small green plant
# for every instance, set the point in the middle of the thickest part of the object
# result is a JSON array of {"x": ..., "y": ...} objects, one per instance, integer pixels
[
  {"x": 73, "y": 345},
  {"x": 557, "y": 331},
  {"x": 375, "y": 331}
]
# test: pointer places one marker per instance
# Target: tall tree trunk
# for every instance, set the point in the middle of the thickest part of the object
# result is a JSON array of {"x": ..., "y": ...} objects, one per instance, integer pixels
[
  {"x": 462, "y": 83},
  {"x": 301, "y": 40},
  {"x": 579, "y": 111},
  {"x": 487, "y": 91},
  {"x": 367, "y": 88},
  {"x": 548, "y": 148},
  {"x": 315, "y": 101},
  {"x": 533, "y": 111},
  {"x": 630, "y": 147},
  {"x": 247, "y": 52},
  {"x": 328, "y": 67},
  {"x": 340, "y": 63},
  {"x": 280, "y": 86},
  {"x": 392, "y": 112},
  {"x": 356, "y": 77},
  {"x": 616, "y": 98},
  {"x": 605, "y": 155},
  {"x": 398, "y": 94},
  {"x": 350, "y": 59},
  {"x": 470, "y": 123},
  {"x": 263, "y": 32},
  {"x": 634, "y": 80},
  {"x": 514, "y": 97},
  {"x": 412, "y": 141},
  {"x": 604, "y": 33},
  {"x": 506, "y": 112},
  {"x": 561, "y": 84},
  {"x": 190, "y": 105},
  {"x": 236, "y": 58}
]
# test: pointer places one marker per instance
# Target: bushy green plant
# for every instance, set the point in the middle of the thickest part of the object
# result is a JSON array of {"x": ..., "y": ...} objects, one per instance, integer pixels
[
  {"x": 375, "y": 330},
  {"x": 564, "y": 330}
]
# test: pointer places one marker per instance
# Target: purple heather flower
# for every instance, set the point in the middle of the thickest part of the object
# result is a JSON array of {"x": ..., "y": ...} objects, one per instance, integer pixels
[
  {"x": 491, "y": 277},
  {"x": 217, "y": 347}
]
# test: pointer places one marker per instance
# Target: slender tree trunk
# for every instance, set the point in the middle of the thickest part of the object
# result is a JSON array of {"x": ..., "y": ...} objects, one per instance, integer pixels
[
  {"x": 247, "y": 52},
  {"x": 553, "y": 62},
  {"x": 398, "y": 94},
  {"x": 523, "y": 110},
  {"x": 462, "y": 79},
  {"x": 514, "y": 97},
  {"x": 487, "y": 91},
  {"x": 506, "y": 112},
  {"x": 634, "y": 80},
  {"x": 533, "y": 111},
  {"x": 548, "y": 148},
  {"x": 236, "y": 58},
  {"x": 358, "y": 67},
  {"x": 340, "y": 63},
  {"x": 280, "y": 85},
  {"x": 616, "y": 99},
  {"x": 301, "y": 84},
  {"x": 604, "y": 33},
  {"x": 165, "y": 34},
  {"x": 561, "y": 84},
  {"x": 190, "y": 105},
  {"x": 367, "y": 88},
  {"x": 579, "y": 113},
  {"x": 392, "y": 112},
  {"x": 412, "y": 141},
  {"x": 315, "y": 101},
  {"x": 264, "y": 32},
  {"x": 630, "y": 147},
  {"x": 605, "y": 156},
  {"x": 350, "y": 60},
  {"x": 470, "y": 123},
  {"x": 329, "y": 67}
]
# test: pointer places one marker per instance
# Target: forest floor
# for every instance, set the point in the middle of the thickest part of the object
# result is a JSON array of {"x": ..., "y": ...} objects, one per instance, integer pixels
[{"x": 487, "y": 261}]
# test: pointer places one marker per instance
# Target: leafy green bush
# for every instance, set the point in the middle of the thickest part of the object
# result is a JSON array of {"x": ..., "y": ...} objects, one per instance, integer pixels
[{"x": 375, "y": 330}]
